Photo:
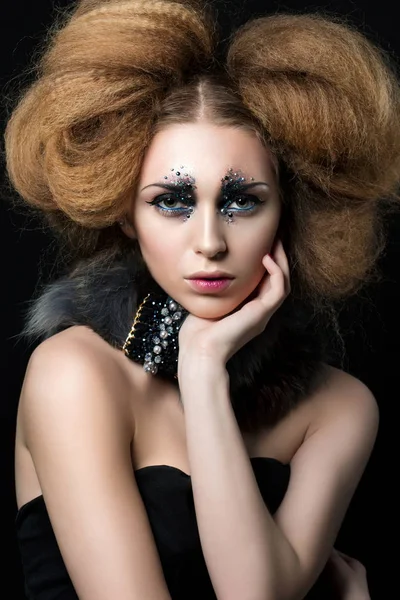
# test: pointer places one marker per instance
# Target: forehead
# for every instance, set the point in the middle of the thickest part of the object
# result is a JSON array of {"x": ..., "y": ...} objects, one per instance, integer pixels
[{"x": 206, "y": 151}]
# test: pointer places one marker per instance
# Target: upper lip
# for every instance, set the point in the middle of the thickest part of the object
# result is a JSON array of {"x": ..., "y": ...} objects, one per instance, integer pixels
[{"x": 210, "y": 275}]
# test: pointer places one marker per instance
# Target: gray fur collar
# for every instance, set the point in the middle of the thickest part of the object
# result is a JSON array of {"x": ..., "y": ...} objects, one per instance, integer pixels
[{"x": 268, "y": 377}]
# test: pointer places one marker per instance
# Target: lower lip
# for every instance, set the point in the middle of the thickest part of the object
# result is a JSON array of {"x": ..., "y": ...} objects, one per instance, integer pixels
[{"x": 209, "y": 285}]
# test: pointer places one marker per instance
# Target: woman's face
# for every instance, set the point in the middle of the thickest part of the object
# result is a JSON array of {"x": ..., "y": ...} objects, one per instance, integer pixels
[{"x": 207, "y": 202}]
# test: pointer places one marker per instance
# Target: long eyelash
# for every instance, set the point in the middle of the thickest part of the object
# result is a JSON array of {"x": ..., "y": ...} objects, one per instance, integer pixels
[
  {"x": 225, "y": 205},
  {"x": 171, "y": 212}
]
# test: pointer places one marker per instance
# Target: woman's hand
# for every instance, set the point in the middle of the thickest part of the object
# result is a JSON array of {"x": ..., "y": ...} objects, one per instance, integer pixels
[
  {"x": 220, "y": 339},
  {"x": 349, "y": 575}
]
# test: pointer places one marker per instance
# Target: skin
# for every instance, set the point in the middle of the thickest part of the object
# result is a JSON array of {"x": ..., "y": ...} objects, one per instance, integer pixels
[
  {"x": 72, "y": 377},
  {"x": 174, "y": 248},
  {"x": 350, "y": 576},
  {"x": 220, "y": 323}
]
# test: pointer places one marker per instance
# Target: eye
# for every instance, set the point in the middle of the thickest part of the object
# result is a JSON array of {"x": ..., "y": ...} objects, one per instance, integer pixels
[
  {"x": 244, "y": 203},
  {"x": 169, "y": 203}
]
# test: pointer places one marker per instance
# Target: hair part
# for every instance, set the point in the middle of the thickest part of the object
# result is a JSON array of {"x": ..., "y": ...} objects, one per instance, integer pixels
[{"x": 317, "y": 93}]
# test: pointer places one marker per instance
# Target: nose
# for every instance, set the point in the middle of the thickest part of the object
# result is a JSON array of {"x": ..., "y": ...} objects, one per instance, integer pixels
[{"x": 208, "y": 232}]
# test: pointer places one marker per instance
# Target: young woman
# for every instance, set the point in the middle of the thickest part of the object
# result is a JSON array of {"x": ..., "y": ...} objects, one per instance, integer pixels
[{"x": 182, "y": 429}]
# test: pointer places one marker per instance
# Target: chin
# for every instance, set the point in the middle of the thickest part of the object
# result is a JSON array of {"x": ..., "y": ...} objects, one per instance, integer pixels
[{"x": 211, "y": 307}]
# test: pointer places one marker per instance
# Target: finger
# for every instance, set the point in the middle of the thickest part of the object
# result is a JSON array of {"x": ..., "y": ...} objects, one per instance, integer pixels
[
  {"x": 269, "y": 295},
  {"x": 340, "y": 566},
  {"x": 273, "y": 289},
  {"x": 335, "y": 555},
  {"x": 280, "y": 258},
  {"x": 343, "y": 555},
  {"x": 351, "y": 561}
]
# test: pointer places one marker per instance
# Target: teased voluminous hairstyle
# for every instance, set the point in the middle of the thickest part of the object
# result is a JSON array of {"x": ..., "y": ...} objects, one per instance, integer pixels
[{"x": 323, "y": 97}]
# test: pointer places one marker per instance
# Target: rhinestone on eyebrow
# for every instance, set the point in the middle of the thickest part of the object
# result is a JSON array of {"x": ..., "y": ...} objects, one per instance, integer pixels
[
  {"x": 230, "y": 183},
  {"x": 184, "y": 185},
  {"x": 233, "y": 179}
]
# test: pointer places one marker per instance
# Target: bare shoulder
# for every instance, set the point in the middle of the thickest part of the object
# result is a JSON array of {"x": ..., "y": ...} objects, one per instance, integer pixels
[
  {"x": 344, "y": 421},
  {"x": 79, "y": 435},
  {"x": 73, "y": 338},
  {"x": 73, "y": 366},
  {"x": 344, "y": 396}
]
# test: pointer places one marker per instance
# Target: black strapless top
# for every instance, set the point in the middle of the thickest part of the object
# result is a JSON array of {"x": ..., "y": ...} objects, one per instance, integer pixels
[{"x": 168, "y": 498}]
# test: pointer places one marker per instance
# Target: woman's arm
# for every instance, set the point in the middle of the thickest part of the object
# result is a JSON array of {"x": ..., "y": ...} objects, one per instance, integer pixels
[
  {"x": 249, "y": 554},
  {"x": 78, "y": 432},
  {"x": 349, "y": 576}
]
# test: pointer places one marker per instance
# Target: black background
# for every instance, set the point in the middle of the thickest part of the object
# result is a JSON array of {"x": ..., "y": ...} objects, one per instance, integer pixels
[{"x": 370, "y": 323}]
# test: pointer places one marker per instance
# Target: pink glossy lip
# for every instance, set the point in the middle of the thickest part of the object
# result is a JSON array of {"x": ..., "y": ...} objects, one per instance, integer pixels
[{"x": 209, "y": 285}]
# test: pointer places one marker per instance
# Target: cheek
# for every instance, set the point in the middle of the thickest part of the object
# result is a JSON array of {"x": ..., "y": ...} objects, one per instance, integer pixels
[
  {"x": 158, "y": 251},
  {"x": 253, "y": 246}
]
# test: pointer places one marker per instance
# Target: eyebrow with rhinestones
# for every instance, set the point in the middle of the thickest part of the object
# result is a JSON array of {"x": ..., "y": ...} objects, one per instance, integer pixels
[
  {"x": 238, "y": 186},
  {"x": 172, "y": 187},
  {"x": 177, "y": 180},
  {"x": 245, "y": 186},
  {"x": 234, "y": 181}
]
